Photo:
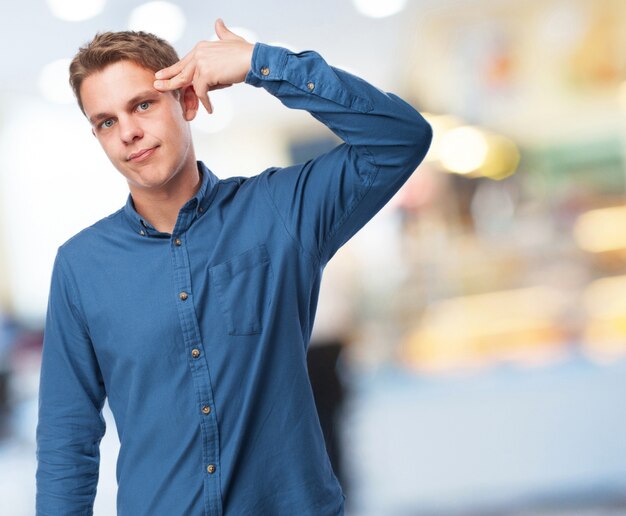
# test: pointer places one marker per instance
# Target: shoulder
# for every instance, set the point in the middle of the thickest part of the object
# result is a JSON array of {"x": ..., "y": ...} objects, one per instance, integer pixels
[{"x": 92, "y": 236}]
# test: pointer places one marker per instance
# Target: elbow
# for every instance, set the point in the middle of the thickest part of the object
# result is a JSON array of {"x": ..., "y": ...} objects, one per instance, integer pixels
[{"x": 421, "y": 138}]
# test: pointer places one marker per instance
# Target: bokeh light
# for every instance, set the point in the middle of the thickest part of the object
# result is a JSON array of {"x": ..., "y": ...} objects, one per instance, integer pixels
[
  {"x": 463, "y": 149},
  {"x": 76, "y": 10},
  {"x": 379, "y": 8},
  {"x": 53, "y": 82},
  {"x": 164, "y": 19}
]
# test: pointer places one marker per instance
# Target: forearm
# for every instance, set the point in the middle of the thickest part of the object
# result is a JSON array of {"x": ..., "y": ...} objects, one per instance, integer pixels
[
  {"x": 381, "y": 127},
  {"x": 68, "y": 455}
]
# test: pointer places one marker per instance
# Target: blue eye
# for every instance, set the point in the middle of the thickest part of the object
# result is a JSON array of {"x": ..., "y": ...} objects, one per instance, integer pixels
[
  {"x": 143, "y": 106},
  {"x": 107, "y": 123}
]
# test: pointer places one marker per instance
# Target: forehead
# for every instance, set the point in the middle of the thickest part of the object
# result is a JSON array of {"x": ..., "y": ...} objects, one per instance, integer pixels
[{"x": 113, "y": 86}]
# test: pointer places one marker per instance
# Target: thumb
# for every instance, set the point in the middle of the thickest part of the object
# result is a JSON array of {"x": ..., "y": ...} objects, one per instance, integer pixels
[{"x": 222, "y": 32}]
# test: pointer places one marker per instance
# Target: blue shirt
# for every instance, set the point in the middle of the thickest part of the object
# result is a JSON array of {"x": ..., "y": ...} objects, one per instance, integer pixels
[{"x": 198, "y": 338}]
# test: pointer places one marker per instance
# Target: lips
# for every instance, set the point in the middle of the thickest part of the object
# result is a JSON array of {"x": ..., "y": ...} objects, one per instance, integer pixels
[{"x": 142, "y": 154}]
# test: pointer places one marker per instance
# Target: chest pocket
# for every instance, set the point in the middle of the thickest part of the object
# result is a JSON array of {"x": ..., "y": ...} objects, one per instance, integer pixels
[{"x": 243, "y": 287}]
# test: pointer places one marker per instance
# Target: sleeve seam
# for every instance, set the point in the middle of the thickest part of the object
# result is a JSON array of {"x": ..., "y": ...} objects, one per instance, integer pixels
[{"x": 74, "y": 303}]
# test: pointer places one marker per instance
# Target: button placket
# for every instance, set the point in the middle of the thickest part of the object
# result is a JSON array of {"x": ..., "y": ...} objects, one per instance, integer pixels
[{"x": 195, "y": 351}]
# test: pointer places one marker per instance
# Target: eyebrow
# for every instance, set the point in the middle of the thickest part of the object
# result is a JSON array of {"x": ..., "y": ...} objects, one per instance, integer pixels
[{"x": 132, "y": 102}]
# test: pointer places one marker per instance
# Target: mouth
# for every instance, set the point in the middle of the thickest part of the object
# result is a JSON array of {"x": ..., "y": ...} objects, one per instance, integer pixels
[{"x": 142, "y": 154}]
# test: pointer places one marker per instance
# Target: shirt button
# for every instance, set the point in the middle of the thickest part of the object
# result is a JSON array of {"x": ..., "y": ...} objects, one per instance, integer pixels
[
  {"x": 178, "y": 242},
  {"x": 310, "y": 85},
  {"x": 195, "y": 353},
  {"x": 183, "y": 296},
  {"x": 265, "y": 71},
  {"x": 142, "y": 233},
  {"x": 206, "y": 409},
  {"x": 211, "y": 468},
  {"x": 201, "y": 209}
]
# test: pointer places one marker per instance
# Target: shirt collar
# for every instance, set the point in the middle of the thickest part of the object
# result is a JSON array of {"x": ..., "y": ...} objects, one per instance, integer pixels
[{"x": 199, "y": 203}]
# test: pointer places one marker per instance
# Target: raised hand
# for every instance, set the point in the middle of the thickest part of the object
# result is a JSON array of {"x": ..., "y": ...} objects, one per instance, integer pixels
[{"x": 211, "y": 65}]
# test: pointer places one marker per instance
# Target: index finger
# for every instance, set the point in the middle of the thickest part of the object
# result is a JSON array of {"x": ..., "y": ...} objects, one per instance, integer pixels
[
  {"x": 180, "y": 80},
  {"x": 171, "y": 71}
]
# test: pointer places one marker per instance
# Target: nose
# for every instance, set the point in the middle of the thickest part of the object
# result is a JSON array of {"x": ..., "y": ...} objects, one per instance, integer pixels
[{"x": 130, "y": 130}]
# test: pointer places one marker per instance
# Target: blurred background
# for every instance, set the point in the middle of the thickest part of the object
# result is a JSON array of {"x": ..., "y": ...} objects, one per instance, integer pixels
[{"x": 477, "y": 324}]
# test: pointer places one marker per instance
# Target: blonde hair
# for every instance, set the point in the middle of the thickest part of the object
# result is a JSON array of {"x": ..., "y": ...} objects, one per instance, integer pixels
[{"x": 106, "y": 48}]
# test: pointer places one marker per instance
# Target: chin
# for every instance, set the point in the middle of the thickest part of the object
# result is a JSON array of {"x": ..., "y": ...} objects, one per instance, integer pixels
[{"x": 154, "y": 182}]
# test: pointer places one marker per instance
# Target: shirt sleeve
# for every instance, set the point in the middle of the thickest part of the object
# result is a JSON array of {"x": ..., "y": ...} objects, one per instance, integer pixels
[
  {"x": 71, "y": 396},
  {"x": 323, "y": 202}
]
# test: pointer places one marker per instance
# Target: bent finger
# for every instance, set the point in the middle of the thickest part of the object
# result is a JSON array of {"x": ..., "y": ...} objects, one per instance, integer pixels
[
  {"x": 202, "y": 92},
  {"x": 175, "y": 69},
  {"x": 180, "y": 80}
]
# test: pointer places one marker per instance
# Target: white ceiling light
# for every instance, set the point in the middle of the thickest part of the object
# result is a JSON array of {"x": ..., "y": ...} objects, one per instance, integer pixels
[
  {"x": 379, "y": 8},
  {"x": 161, "y": 18},
  {"x": 54, "y": 82},
  {"x": 76, "y": 10}
]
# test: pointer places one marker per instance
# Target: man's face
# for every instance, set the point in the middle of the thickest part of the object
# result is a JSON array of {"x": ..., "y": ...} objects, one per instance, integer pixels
[{"x": 145, "y": 133}]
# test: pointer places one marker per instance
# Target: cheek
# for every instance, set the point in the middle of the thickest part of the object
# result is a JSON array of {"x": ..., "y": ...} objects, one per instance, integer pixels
[
  {"x": 184, "y": 135},
  {"x": 177, "y": 126},
  {"x": 106, "y": 142}
]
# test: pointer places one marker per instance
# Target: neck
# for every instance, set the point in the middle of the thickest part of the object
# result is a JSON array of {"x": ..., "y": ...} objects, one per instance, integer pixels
[{"x": 160, "y": 206}]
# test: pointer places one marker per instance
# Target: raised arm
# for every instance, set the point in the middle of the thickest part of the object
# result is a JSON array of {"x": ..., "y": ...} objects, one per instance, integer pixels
[
  {"x": 323, "y": 202},
  {"x": 326, "y": 200},
  {"x": 71, "y": 396}
]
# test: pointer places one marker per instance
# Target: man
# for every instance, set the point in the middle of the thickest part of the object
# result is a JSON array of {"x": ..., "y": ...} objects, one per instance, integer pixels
[{"x": 191, "y": 307}]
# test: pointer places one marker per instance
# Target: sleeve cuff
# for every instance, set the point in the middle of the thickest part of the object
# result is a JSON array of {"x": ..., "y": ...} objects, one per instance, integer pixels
[{"x": 267, "y": 64}]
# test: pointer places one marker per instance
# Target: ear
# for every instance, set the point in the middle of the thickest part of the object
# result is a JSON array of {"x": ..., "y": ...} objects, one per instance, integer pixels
[{"x": 189, "y": 101}]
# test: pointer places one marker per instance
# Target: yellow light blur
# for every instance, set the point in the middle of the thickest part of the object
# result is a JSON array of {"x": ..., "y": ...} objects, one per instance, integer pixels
[
  {"x": 463, "y": 150},
  {"x": 440, "y": 124},
  {"x": 502, "y": 157},
  {"x": 471, "y": 151},
  {"x": 601, "y": 230},
  {"x": 604, "y": 298},
  {"x": 471, "y": 330},
  {"x": 605, "y": 305},
  {"x": 622, "y": 96}
]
